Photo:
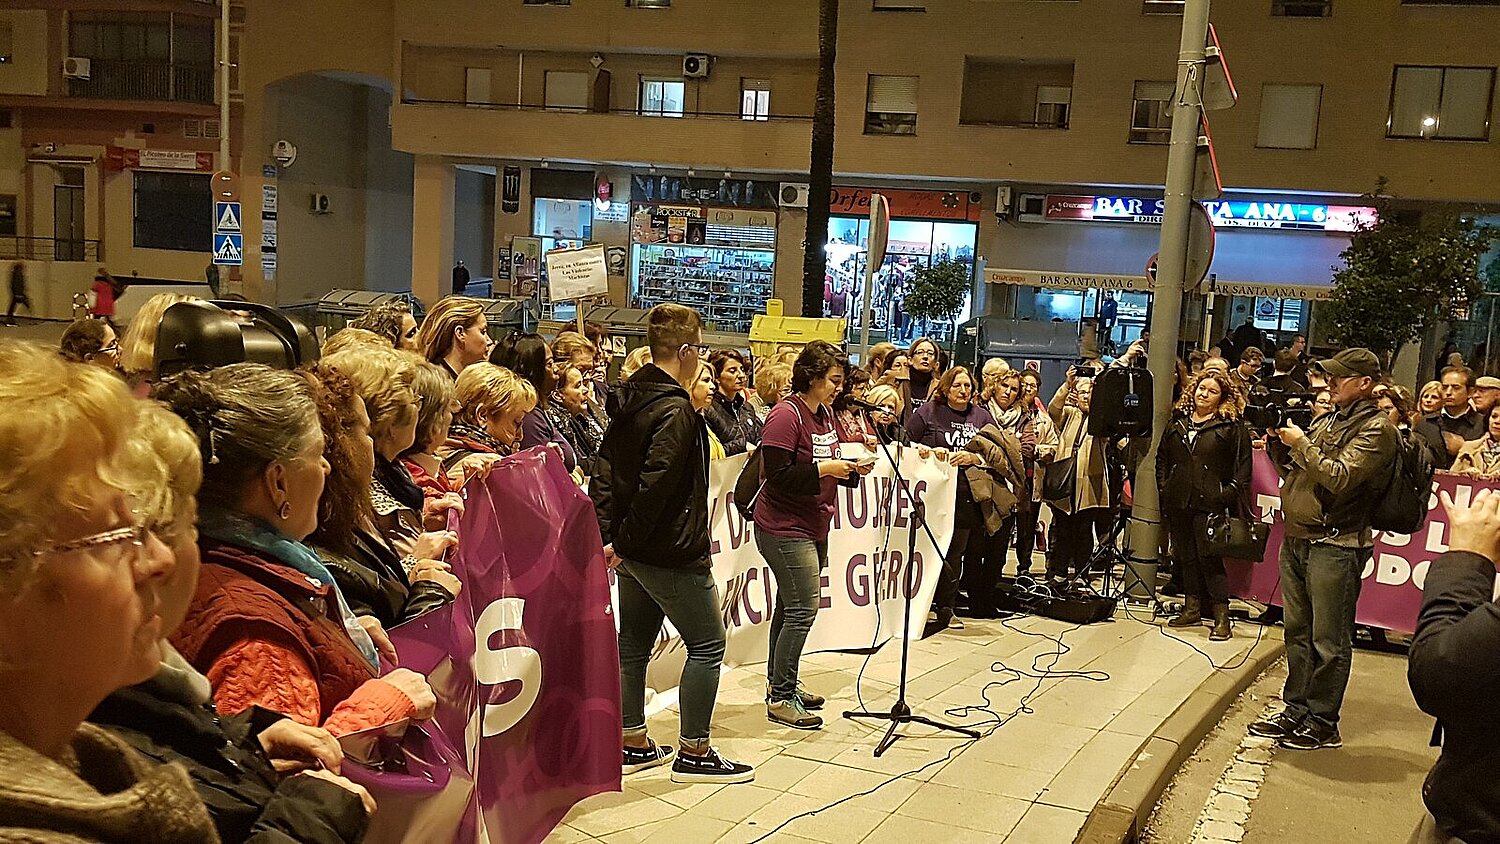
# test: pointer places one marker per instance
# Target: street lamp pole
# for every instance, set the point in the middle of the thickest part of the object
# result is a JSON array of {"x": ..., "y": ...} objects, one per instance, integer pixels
[{"x": 1166, "y": 312}]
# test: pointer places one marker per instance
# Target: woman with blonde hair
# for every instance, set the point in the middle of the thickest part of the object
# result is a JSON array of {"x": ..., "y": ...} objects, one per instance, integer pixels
[
  {"x": 701, "y": 392},
  {"x": 455, "y": 334},
  {"x": 1430, "y": 399},
  {"x": 1203, "y": 468},
  {"x": 81, "y": 591},
  {"x": 259, "y": 775},
  {"x": 633, "y": 362},
  {"x": 138, "y": 343},
  {"x": 885, "y": 418},
  {"x": 772, "y": 384},
  {"x": 492, "y": 402}
]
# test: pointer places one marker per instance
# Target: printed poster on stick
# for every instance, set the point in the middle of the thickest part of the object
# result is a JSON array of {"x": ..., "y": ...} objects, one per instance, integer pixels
[{"x": 576, "y": 273}]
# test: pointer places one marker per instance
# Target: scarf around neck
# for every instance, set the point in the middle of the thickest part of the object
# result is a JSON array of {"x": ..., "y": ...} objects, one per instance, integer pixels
[
  {"x": 398, "y": 483},
  {"x": 255, "y": 535}
]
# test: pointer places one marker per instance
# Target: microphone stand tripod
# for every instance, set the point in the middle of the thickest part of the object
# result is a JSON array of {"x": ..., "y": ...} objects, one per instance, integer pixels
[{"x": 901, "y": 711}]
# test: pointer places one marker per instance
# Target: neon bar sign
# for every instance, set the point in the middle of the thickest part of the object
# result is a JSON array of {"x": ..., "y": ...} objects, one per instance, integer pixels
[{"x": 1237, "y": 213}]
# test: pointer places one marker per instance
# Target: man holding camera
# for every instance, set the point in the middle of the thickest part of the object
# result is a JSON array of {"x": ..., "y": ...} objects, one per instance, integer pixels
[{"x": 1332, "y": 476}]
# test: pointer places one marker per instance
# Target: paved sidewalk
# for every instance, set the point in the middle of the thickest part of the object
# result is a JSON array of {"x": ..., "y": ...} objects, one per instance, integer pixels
[{"x": 1033, "y": 778}]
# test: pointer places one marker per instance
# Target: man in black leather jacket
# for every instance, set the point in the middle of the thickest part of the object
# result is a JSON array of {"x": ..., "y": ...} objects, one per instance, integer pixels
[
  {"x": 1454, "y": 674},
  {"x": 1332, "y": 476},
  {"x": 650, "y": 491}
]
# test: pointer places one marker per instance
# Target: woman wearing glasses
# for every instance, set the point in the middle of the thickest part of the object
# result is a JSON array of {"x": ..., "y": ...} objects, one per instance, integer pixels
[
  {"x": 90, "y": 340},
  {"x": 530, "y": 359},
  {"x": 81, "y": 593},
  {"x": 886, "y": 417}
]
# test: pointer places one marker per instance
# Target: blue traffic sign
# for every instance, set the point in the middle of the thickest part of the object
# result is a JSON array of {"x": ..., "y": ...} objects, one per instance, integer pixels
[
  {"x": 229, "y": 249},
  {"x": 227, "y": 218}
]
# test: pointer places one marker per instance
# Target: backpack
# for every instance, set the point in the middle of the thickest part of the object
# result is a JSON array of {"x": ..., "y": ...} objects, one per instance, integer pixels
[
  {"x": 747, "y": 487},
  {"x": 1402, "y": 508}
]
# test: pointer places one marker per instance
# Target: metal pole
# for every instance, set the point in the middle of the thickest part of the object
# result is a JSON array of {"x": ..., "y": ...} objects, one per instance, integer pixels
[
  {"x": 1166, "y": 312},
  {"x": 866, "y": 311},
  {"x": 224, "y": 85}
]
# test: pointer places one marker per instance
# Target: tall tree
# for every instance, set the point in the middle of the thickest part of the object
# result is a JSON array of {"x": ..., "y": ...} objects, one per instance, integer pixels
[
  {"x": 820, "y": 170},
  {"x": 1403, "y": 275}
]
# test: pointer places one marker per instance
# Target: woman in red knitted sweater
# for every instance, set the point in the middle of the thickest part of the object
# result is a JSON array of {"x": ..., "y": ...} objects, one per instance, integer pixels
[{"x": 268, "y": 625}]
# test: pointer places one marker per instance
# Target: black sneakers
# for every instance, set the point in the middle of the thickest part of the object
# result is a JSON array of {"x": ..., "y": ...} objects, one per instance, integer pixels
[
  {"x": 1277, "y": 726},
  {"x": 710, "y": 768},
  {"x": 1312, "y": 735},
  {"x": 638, "y": 759}
]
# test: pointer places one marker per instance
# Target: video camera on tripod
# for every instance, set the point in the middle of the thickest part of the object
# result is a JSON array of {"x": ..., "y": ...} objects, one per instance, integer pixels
[{"x": 1268, "y": 409}]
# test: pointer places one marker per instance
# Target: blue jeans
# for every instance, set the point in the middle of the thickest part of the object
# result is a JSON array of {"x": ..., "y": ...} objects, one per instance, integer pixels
[
  {"x": 688, "y": 597},
  {"x": 1319, "y": 589},
  {"x": 796, "y": 564}
]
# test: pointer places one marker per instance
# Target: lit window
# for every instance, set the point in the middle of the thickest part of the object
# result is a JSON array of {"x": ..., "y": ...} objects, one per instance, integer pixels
[
  {"x": 891, "y": 105},
  {"x": 1442, "y": 103},
  {"x": 662, "y": 97},
  {"x": 755, "y": 99}
]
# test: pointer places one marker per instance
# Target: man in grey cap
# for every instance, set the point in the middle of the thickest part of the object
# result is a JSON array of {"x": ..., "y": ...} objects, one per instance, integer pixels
[
  {"x": 1486, "y": 396},
  {"x": 1332, "y": 475}
]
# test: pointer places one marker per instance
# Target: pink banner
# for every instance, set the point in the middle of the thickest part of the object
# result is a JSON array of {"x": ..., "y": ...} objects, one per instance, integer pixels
[
  {"x": 1392, "y": 592},
  {"x": 524, "y": 665}
]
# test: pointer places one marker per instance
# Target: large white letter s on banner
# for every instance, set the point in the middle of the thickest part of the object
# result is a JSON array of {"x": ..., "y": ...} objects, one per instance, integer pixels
[{"x": 493, "y": 667}]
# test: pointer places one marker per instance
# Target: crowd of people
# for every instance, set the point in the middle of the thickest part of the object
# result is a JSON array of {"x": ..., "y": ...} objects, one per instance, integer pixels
[{"x": 224, "y": 549}]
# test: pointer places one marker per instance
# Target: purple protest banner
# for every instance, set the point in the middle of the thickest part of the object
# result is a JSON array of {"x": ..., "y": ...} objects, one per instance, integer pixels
[
  {"x": 546, "y": 664},
  {"x": 524, "y": 665},
  {"x": 1391, "y": 594}
]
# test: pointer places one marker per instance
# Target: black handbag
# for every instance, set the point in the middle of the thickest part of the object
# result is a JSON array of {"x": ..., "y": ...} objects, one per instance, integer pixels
[
  {"x": 1061, "y": 477},
  {"x": 1237, "y": 537}
]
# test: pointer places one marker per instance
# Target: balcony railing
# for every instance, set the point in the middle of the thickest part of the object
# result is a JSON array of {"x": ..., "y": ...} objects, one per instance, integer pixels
[
  {"x": 14, "y": 248},
  {"x": 636, "y": 112},
  {"x": 126, "y": 79}
]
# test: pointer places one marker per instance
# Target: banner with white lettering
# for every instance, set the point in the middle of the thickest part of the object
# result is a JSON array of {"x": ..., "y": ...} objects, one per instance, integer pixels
[
  {"x": 1391, "y": 595},
  {"x": 868, "y": 560}
]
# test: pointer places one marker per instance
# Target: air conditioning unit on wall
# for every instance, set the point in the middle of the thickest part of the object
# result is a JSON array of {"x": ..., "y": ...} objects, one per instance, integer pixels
[
  {"x": 696, "y": 65},
  {"x": 77, "y": 67},
  {"x": 793, "y": 195}
]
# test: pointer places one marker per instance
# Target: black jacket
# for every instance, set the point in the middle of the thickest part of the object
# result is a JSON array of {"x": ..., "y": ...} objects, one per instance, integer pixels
[
  {"x": 247, "y": 799},
  {"x": 1210, "y": 475},
  {"x": 1454, "y": 672},
  {"x": 734, "y": 422},
  {"x": 375, "y": 584},
  {"x": 650, "y": 483}
]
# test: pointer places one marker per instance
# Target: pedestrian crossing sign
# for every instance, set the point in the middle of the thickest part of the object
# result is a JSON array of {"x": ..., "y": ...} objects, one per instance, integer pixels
[
  {"x": 227, "y": 218},
  {"x": 229, "y": 249}
]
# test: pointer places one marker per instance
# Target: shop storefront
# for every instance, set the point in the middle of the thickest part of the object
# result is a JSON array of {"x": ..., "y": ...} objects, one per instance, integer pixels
[
  {"x": 927, "y": 226},
  {"x": 720, "y": 261},
  {"x": 1279, "y": 310},
  {"x": 1087, "y": 254}
]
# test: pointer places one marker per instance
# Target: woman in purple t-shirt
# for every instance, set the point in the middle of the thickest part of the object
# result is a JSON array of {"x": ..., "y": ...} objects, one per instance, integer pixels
[
  {"x": 946, "y": 423},
  {"x": 800, "y": 468}
]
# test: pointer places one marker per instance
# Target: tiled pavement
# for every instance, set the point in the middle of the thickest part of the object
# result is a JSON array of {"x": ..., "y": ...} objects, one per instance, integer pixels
[{"x": 1033, "y": 778}]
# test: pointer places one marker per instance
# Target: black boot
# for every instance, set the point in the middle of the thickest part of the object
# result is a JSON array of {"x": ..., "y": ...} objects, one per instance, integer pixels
[
  {"x": 1191, "y": 615},
  {"x": 1221, "y": 630}
]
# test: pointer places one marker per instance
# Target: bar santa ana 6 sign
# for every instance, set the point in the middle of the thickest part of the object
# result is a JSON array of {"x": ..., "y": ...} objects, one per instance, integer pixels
[{"x": 1227, "y": 213}]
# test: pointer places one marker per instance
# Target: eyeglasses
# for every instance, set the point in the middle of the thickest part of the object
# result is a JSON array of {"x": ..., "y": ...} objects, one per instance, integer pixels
[
  {"x": 702, "y": 349},
  {"x": 133, "y": 534},
  {"x": 112, "y": 350}
]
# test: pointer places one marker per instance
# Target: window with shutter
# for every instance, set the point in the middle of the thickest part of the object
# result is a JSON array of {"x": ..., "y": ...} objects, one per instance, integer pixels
[
  {"x": 1289, "y": 116},
  {"x": 891, "y": 105},
  {"x": 1151, "y": 113},
  {"x": 566, "y": 90}
]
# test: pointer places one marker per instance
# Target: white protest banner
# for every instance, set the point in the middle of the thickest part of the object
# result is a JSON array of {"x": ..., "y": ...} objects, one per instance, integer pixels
[
  {"x": 863, "y": 603},
  {"x": 576, "y": 273}
]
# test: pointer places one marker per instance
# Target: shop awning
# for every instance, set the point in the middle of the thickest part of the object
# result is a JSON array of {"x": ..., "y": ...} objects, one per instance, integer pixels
[{"x": 1105, "y": 281}]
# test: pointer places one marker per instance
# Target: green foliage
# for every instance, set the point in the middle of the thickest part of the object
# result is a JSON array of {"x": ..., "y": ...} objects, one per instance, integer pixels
[
  {"x": 937, "y": 292},
  {"x": 1401, "y": 277}
]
